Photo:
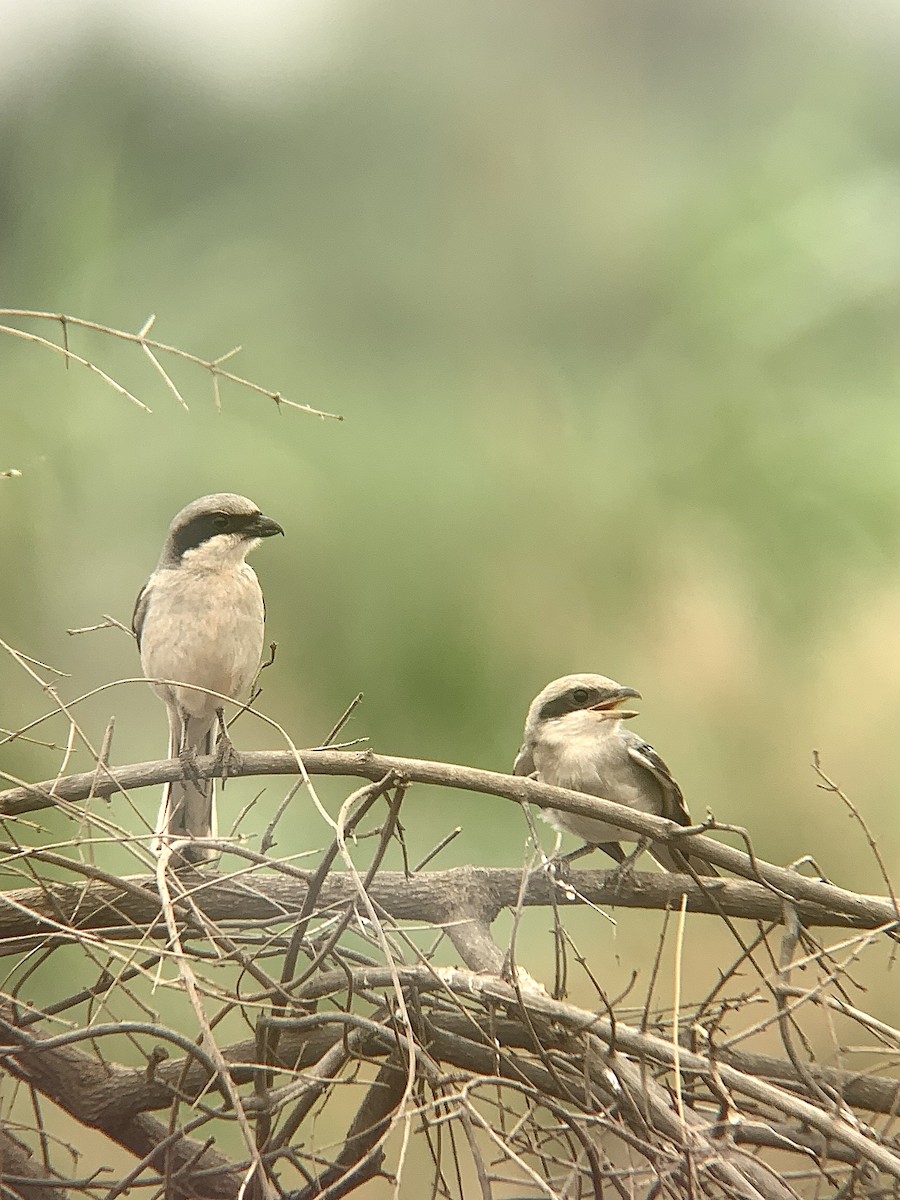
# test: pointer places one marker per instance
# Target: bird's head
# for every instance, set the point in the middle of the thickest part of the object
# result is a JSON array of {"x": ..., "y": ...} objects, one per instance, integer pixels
[
  {"x": 594, "y": 696},
  {"x": 217, "y": 530}
]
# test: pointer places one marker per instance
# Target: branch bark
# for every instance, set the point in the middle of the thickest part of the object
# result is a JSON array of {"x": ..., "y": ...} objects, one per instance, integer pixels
[
  {"x": 858, "y": 910},
  {"x": 88, "y": 1090},
  {"x": 464, "y": 900},
  {"x": 22, "y": 1176},
  {"x": 512, "y": 1039}
]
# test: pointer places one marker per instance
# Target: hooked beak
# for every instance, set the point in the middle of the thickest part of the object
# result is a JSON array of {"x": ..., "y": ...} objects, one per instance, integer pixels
[
  {"x": 263, "y": 527},
  {"x": 609, "y": 708}
]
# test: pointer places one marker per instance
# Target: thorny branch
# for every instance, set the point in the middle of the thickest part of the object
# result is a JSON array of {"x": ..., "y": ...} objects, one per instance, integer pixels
[{"x": 154, "y": 351}]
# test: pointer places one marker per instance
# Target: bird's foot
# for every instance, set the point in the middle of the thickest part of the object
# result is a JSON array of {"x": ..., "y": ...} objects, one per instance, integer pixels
[
  {"x": 559, "y": 867},
  {"x": 228, "y": 760},
  {"x": 188, "y": 759},
  {"x": 559, "y": 874},
  {"x": 623, "y": 874}
]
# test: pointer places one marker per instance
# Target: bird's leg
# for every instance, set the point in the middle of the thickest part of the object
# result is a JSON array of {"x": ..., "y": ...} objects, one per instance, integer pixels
[
  {"x": 559, "y": 865},
  {"x": 228, "y": 761},
  {"x": 624, "y": 872},
  {"x": 574, "y": 855},
  {"x": 187, "y": 754}
]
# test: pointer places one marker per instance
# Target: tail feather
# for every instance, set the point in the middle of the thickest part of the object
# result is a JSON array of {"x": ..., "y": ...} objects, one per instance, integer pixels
[{"x": 188, "y": 808}]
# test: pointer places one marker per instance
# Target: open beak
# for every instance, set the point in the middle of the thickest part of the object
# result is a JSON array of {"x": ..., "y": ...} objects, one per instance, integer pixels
[{"x": 609, "y": 708}]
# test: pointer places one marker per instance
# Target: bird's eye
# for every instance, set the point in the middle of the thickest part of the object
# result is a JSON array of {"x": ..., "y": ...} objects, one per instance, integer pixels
[
  {"x": 220, "y": 521},
  {"x": 581, "y": 695}
]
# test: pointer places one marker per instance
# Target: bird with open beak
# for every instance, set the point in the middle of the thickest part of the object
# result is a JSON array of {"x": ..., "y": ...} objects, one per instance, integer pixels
[
  {"x": 199, "y": 623},
  {"x": 575, "y": 738}
]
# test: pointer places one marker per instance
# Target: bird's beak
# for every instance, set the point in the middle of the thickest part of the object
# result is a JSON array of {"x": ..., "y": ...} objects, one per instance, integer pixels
[
  {"x": 263, "y": 527},
  {"x": 609, "y": 708}
]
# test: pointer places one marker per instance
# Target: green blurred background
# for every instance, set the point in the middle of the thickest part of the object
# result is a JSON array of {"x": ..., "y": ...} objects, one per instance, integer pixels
[{"x": 607, "y": 295}]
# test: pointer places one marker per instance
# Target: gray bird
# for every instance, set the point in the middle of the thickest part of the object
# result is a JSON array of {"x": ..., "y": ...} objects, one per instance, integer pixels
[
  {"x": 574, "y": 738},
  {"x": 199, "y": 619}
]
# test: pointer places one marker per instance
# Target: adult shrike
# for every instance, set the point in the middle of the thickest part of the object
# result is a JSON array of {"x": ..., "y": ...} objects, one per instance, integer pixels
[
  {"x": 199, "y": 620},
  {"x": 574, "y": 738}
]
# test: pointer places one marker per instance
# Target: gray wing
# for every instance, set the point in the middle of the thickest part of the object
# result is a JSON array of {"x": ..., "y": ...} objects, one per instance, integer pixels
[
  {"x": 641, "y": 752},
  {"x": 524, "y": 764},
  {"x": 140, "y": 611},
  {"x": 675, "y": 808}
]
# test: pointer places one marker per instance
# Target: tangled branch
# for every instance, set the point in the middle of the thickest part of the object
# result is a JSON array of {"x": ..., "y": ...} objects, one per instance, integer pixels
[{"x": 367, "y": 1054}]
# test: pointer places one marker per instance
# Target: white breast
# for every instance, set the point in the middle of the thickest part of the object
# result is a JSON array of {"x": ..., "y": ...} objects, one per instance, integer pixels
[
  {"x": 204, "y": 628},
  {"x": 589, "y": 755}
]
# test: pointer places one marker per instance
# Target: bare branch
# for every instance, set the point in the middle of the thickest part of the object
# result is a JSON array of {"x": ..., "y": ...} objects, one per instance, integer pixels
[
  {"x": 838, "y": 905},
  {"x": 152, "y": 349},
  {"x": 334, "y": 973}
]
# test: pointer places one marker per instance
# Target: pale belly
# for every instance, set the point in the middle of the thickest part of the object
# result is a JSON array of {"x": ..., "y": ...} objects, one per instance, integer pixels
[
  {"x": 593, "y": 775},
  {"x": 210, "y": 637}
]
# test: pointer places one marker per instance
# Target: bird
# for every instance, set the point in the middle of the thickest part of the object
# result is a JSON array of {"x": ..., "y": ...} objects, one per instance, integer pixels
[
  {"x": 199, "y": 623},
  {"x": 574, "y": 738}
]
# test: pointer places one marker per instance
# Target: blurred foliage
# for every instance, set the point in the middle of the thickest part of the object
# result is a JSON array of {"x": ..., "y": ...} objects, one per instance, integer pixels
[{"x": 608, "y": 296}]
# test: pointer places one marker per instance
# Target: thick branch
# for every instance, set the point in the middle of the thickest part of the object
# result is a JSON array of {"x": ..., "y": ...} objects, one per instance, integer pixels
[
  {"x": 466, "y": 900},
  {"x": 616, "y": 1036},
  {"x": 864, "y": 911},
  {"x": 451, "y": 1037},
  {"x": 22, "y": 1175},
  {"x": 86, "y": 1089},
  {"x": 110, "y": 1099}
]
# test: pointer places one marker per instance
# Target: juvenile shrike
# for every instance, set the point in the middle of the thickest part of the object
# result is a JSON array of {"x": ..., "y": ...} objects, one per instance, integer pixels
[
  {"x": 574, "y": 738},
  {"x": 199, "y": 620}
]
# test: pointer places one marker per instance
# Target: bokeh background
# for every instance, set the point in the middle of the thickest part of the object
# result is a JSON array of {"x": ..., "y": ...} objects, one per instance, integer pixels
[{"x": 607, "y": 295}]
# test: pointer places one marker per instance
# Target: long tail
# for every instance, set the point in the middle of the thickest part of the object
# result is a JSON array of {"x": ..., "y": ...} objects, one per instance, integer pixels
[{"x": 188, "y": 808}]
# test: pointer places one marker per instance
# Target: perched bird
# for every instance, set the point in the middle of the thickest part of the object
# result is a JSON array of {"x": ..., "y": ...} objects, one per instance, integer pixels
[
  {"x": 574, "y": 738},
  {"x": 199, "y": 620}
]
